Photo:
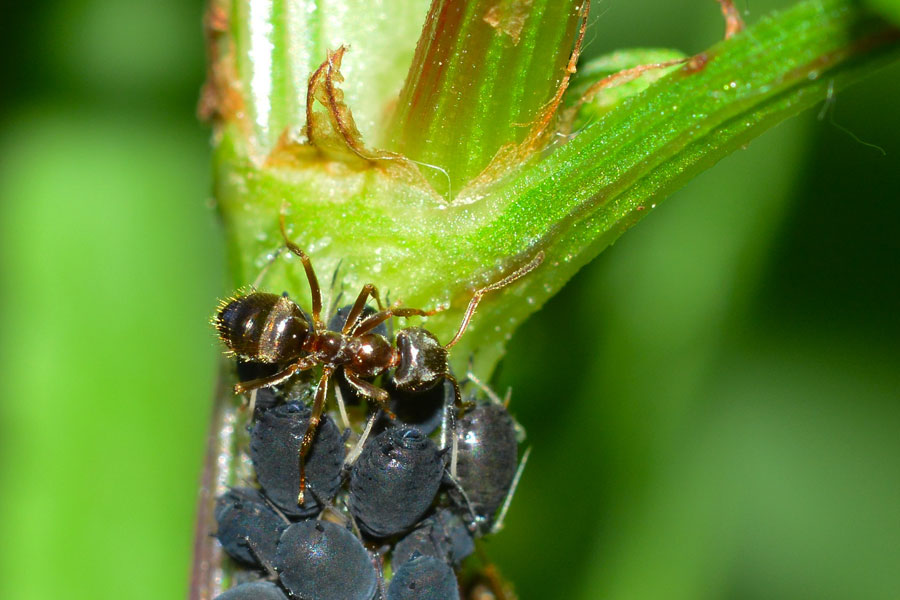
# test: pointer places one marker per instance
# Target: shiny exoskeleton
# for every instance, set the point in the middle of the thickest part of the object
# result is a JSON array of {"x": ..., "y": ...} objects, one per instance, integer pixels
[
  {"x": 394, "y": 481},
  {"x": 274, "y": 444},
  {"x": 257, "y": 590},
  {"x": 423, "y": 578},
  {"x": 487, "y": 459},
  {"x": 320, "y": 560},
  {"x": 248, "y": 528},
  {"x": 272, "y": 329}
]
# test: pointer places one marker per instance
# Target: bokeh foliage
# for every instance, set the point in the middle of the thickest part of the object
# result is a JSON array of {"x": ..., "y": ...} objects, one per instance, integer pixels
[{"x": 713, "y": 403}]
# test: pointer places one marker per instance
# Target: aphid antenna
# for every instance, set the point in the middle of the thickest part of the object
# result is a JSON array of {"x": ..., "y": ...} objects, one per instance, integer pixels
[
  {"x": 498, "y": 524},
  {"x": 265, "y": 269},
  {"x": 271, "y": 573},
  {"x": 476, "y": 519},
  {"x": 274, "y": 507},
  {"x": 354, "y": 453}
]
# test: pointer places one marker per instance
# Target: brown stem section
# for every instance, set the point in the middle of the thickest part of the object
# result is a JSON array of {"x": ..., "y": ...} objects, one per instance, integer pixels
[{"x": 206, "y": 571}]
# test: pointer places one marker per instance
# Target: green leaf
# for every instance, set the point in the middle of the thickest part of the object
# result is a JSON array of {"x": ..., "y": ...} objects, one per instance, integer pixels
[{"x": 890, "y": 9}]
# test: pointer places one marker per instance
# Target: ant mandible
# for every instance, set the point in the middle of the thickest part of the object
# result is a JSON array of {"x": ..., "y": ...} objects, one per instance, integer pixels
[{"x": 272, "y": 329}]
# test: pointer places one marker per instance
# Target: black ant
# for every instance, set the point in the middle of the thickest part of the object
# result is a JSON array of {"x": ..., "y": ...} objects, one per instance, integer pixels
[{"x": 272, "y": 329}]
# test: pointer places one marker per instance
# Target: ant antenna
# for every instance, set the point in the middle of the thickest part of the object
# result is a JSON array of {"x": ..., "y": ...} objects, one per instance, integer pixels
[{"x": 476, "y": 297}]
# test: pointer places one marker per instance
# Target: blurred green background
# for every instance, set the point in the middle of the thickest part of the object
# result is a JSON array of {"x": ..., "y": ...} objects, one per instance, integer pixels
[{"x": 713, "y": 403}]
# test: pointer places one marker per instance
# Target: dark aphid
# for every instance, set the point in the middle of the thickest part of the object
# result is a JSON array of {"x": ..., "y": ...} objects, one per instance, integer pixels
[
  {"x": 319, "y": 560},
  {"x": 487, "y": 456},
  {"x": 423, "y": 578},
  {"x": 258, "y": 590},
  {"x": 423, "y": 410},
  {"x": 394, "y": 481},
  {"x": 269, "y": 328},
  {"x": 248, "y": 528},
  {"x": 274, "y": 447},
  {"x": 442, "y": 535}
]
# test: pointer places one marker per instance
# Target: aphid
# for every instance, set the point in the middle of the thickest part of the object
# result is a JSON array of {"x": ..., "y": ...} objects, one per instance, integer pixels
[
  {"x": 487, "y": 459},
  {"x": 423, "y": 578},
  {"x": 422, "y": 410},
  {"x": 394, "y": 481},
  {"x": 274, "y": 443},
  {"x": 248, "y": 528},
  {"x": 442, "y": 535},
  {"x": 257, "y": 590},
  {"x": 272, "y": 329},
  {"x": 319, "y": 560}
]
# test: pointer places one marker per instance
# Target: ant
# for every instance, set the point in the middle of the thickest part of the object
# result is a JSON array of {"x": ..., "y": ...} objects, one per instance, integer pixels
[{"x": 272, "y": 329}]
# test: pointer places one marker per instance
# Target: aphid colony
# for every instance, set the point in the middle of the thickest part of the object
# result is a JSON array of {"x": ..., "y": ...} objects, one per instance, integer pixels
[{"x": 332, "y": 513}]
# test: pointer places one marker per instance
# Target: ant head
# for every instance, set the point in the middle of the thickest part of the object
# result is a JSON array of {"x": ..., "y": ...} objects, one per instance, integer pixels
[{"x": 423, "y": 360}]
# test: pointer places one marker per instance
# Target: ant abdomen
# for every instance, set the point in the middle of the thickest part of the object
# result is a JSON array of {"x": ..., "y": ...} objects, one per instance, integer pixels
[{"x": 262, "y": 327}]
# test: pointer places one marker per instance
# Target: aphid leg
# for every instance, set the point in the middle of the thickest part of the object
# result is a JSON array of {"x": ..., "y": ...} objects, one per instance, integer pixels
[
  {"x": 312, "y": 427},
  {"x": 274, "y": 507},
  {"x": 335, "y": 298},
  {"x": 357, "y": 448},
  {"x": 476, "y": 520},
  {"x": 450, "y": 412},
  {"x": 479, "y": 294},
  {"x": 305, "y": 363},
  {"x": 251, "y": 406},
  {"x": 342, "y": 408},
  {"x": 498, "y": 524},
  {"x": 367, "y": 390},
  {"x": 314, "y": 288},
  {"x": 491, "y": 394},
  {"x": 359, "y": 305}
]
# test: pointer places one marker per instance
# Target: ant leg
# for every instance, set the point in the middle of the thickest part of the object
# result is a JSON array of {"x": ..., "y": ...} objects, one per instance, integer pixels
[
  {"x": 305, "y": 363},
  {"x": 314, "y": 288},
  {"x": 312, "y": 427},
  {"x": 476, "y": 297},
  {"x": 373, "y": 321},
  {"x": 359, "y": 305},
  {"x": 366, "y": 389},
  {"x": 498, "y": 524}
]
